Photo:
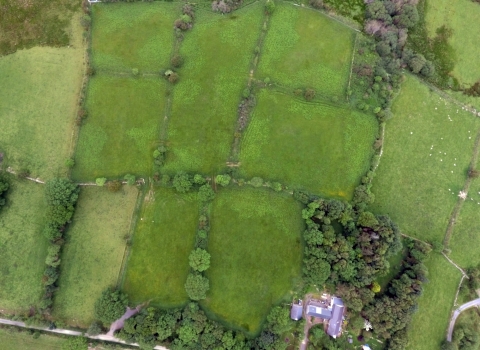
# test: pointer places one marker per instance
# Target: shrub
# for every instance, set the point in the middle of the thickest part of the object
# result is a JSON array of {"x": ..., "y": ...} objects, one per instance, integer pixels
[
  {"x": 135, "y": 71},
  {"x": 70, "y": 162},
  {"x": 130, "y": 179},
  {"x": 173, "y": 78},
  {"x": 223, "y": 180},
  {"x": 4, "y": 186},
  {"x": 90, "y": 71},
  {"x": 114, "y": 186},
  {"x": 256, "y": 182},
  {"x": 110, "y": 306},
  {"x": 199, "y": 260},
  {"x": 176, "y": 61},
  {"x": 375, "y": 287},
  {"x": 100, "y": 181},
  {"x": 94, "y": 329},
  {"x": 473, "y": 173},
  {"x": 199, "y": 179},
  {"x": 182, "y": 182},
  {"x": 205, "y": 193},
  {"x": 86, "y": 21},
  {"x": 277, "y": 186},
  {"x": 75, "y": 343},
  {"x": 197, "y": 286},
  {"x": 270, "y": 6},
  {"x": 246, "y": 93},
  {"x": 318, "y": 4},
  {"x": 309, "y": 94}
]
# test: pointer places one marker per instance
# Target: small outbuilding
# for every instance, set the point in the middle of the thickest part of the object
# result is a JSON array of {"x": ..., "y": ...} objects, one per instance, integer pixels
[{"x": 296, "y": 311}]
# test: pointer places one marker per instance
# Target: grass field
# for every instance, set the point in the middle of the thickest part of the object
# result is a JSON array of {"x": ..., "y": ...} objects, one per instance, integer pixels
[
  {"x": 13, "y": 339},
  {"x": 460, "y": 16},
  {"x": 430, "y": 322},
  {"x": 139, "y": 35},
  {"x": 217, "y": 55},
  {"x": 465, "y": 239},
  {"x": 427, "y": 149},
  {"x": 255, "y": 244},
  {"x": 37, "y": 112},
  {"x": 22, "y": 247},
  {"x": 165, "y": 234},
  {"x": 92, "y": 256},
  {"x": 122, "y": 127},
  {"x": 304, "y": 48},
  {"x": 321, "y": 148}
]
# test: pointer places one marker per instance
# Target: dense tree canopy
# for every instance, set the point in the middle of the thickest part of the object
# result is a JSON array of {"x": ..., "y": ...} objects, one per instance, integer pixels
[{"x": 110, "y": 306}]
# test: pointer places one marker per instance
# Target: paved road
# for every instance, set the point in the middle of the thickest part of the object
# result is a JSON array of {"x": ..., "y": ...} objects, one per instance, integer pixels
[
  {"x": 103, "y": 337},
  {"x": 456, "y": 313}
]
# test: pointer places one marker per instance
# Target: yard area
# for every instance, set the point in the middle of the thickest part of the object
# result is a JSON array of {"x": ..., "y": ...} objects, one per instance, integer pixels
[
  {"x": 37, "y": 112},
  {"x": 461, "y": 16},
  {"x": 429, "y": 325},
  {"x": 427, "y": 149},
  {"x": 157, "y": 267},
  {"x": 307, "y": 145},
  {"x": 93, "y": 253},
  {"x": 217, "y": 55},
  {"x": 138, "y": 35},
  {"x": 305, "y": 48},
  {"x": 16, "y": 339},
  {"x": 121, "y": 129},
  {"x": 22, "y": 247},
  {"x": 256, "y": 249}
]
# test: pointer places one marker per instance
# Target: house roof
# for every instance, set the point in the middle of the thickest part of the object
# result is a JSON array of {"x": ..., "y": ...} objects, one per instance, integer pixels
[
  {"x": 320, "y": 312},
  {"x": 296, "y": 312},
  {"x": 335, "y": 324}
]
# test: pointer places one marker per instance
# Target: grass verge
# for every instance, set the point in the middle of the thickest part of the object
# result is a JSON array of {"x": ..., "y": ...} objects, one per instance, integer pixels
[
  {"x": 256, "y": 249},
  {"x": 157, "y": 267},
  {"x": 92, "y": 256},
  {"x": 15, "y": 339}
]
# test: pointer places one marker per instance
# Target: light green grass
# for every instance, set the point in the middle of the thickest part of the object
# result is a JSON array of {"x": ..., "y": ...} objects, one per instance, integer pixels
[
  {"x": 121, "y": 129},
  {"x": 158, "y": 264},
  {"x": 139, "y": 35},
  {"x": 22, "y": 247},
  {"x": 92, "y": 256},
  {"x": 39, "y": 93},
  {"x": 321, "y": 148},
  {"x": 465, "y": 240},
  {"x": 217, "y": 55},
  {"x": 429, "y": 325},
  {"x": 255, "y": 244},
  {"x": 304, "y": 48},
  {"x": 14, "y": 339},
  {"x": 411, "y": 186},
  {"x": 461, "y": 16}
]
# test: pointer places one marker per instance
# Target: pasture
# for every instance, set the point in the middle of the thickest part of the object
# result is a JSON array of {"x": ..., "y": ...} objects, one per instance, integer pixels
[
  {"x": 305, "y": 48},
  {"x": 321, "y": 148},
  {"x": 465, "y": 239},
  {"x": 22, "y": 247},
  {"x": 93, "y": 253},
  {"x": 139, "y": 35},
  {"x": 37, "y": 112},
  {"x": 429, "y": 325},
  {"x": 460, "y": 16},
  {"x": 427, "y": 149},
  {"x": 121, "y": 129},
  {"x": 256, "y": 249},
  {"x": 16, "y": 339},
  {"x": 217, "y": 53},
  {"x": 157, "y": 267}
]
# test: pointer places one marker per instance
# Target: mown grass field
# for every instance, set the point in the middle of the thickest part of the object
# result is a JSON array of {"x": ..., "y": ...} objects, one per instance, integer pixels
[
  {"x": 22, "y": 247},
  {"x": 321, "y": 148},
  {"x": 92, "y": 256},
  {"x": 37, "y": 112},
  {"x": 460, "y": 16},
  {"x": 429, "y": 325},
  {"x": 217, "y": 56},
  {"x": 121, "y": 129},
  {"x": 465, "y": 239},
  {"x": 304, "y": 48},
  {"x": 157, "y": 267},
  {"x": 139, "y": 35},
  {"x": 14, "y": 339},
  {"x": 256, "y": 249},
  {"x": 427, "y": 149}
]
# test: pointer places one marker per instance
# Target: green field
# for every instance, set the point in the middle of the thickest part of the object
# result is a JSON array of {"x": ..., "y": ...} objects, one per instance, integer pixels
[
  {"x": 37, "y": 112},
  {"x": 92, "y": 256},
  {"x": 217, "y": 56},
  {"x": 461, "y": 16},
  {"x": 465, "y": 239},
  {"x": 417, "y": 185},
  {"x": 22, "y": 247},
  {"x": 321, "y": 148},
  {"x": 429, "y": 325},
  {"x": 165, "y": 234},
  {"x": 305, "y": 48},
  {"x": 256, "y": 249},
  {"x": 122, "y": 127},
  {"x": 140, "y": 35},
  {"x": 14, "y": 339}
]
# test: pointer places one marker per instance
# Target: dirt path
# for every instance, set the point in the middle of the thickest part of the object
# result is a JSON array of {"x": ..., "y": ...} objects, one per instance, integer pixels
[{"x": 118, "y": 324}]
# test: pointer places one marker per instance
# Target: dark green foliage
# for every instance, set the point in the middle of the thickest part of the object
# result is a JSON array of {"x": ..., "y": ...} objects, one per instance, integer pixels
[
  {"x": 159, "y": 157},
  {"x": 182, "y": 182},
  {"x": 269, "y": 6},
  {"x": 199, "y": 260},
  {"x": 94, "y": 329},
  {"x": 176, "y": 61},
  {"x": 197, "y": 286},
  {"x": 223, "y": 180},
  {"x": 206, "y": 193},
  {"x": 309, "y": 94},
  {"x": 256, "y": 182},
  {"x": 75, "y": 343},
  {"x": 199, "y": 179},
  {"x": 110, "y": 306},
  {"x": 60, "y": 196},
  {"x": 4, "y": 186},
  {"x": 130, "y": 179}
]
